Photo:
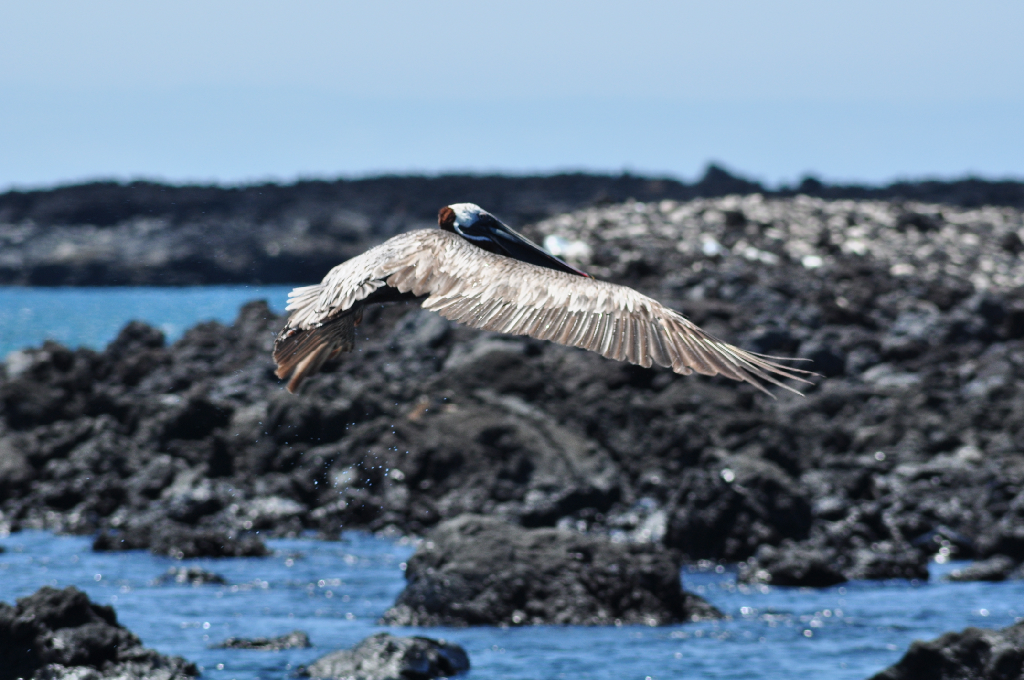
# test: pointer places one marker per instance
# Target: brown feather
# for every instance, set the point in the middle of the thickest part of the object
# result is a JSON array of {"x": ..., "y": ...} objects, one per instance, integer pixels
[
  {"x": 301, "y": 353},
  {"x": 485, "y": 290}
]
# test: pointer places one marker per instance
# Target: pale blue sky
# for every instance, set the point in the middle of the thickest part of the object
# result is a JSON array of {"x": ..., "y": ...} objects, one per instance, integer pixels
[{"x": 233, "y": 91}]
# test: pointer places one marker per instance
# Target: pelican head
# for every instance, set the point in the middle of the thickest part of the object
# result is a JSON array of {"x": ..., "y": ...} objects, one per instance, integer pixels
[{"x": 484, "y": 230}]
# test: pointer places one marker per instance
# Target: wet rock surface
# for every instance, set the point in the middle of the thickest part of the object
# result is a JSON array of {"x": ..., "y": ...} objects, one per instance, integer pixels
[
  {"x": 995, "y": 568},
  {"x": 191, "y": 576},
  {"x": 297, "y": 639},
  {"x": 56, "y": 634},
  {"x": 386, "y": 657},
  {"x": 144, "y": 233},
  {"x": 910, "y": 447},
  {"x": 179, "y": 541},
  {"x": 791, "y": 565},
  {"x": 974, "y": 654},
  {"x": 483, "y": 571}
]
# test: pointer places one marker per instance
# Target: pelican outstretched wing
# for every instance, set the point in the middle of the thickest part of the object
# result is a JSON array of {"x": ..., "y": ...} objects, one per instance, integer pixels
[{"x": 492, "y": 292}]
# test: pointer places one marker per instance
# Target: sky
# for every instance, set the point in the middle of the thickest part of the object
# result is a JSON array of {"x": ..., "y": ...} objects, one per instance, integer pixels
[{"x": 236, "y": 91}]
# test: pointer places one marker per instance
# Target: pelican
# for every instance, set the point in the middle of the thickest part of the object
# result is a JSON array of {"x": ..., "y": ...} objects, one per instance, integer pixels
[{"x": 477, "y": 271}]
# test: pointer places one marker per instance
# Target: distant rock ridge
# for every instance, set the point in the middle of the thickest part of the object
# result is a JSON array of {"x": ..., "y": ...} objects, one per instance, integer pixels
[{"x": 144, "y": 233}]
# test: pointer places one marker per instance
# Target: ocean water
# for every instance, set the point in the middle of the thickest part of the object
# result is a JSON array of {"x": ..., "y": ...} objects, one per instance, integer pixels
[
  {"x": 92, "y": 317},
  {"x": 336, "y": 591}
]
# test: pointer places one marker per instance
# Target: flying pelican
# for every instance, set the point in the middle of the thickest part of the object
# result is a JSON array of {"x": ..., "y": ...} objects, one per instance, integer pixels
[{"x": 479, "y": 272}]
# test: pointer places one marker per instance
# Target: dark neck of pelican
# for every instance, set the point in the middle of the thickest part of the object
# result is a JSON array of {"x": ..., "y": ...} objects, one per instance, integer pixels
[{"x": 488, "y": 233}]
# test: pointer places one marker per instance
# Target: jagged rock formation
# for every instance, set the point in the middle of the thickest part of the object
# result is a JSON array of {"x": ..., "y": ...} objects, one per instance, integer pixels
[
  {"x": 482, "y": 571},
  {"x": 973, "y": 654},
  {"x": 297, "y": 639},
  {"x": 59, "y": 635},
  {"x": 386, "y": 657}
]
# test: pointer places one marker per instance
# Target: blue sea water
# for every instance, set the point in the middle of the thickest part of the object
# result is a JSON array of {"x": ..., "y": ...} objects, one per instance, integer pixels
[
  {"x": 91, "y": 317},
  {"x": 336, "y": 591}
]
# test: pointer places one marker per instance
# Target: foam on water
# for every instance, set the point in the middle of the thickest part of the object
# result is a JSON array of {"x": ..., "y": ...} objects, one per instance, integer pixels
[{"x": 336, "y": 591}]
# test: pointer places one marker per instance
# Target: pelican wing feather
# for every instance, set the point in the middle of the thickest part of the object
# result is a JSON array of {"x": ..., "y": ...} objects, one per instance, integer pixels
[{"x": 492, "y": 292}]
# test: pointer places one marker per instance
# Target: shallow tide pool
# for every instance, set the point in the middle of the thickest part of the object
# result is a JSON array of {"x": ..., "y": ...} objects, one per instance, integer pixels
[{"x": 336, "y": 591}]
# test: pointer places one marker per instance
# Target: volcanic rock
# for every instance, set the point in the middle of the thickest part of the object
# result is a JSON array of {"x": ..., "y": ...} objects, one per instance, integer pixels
[
  {"x": 742, "y": 502},
  {"x": 995, "y": 568},
  {"x": 974, "y": 653},
  {"x": 57, "y": 634},
  {"x": 791, "y": 565},
  {"x": 193, "y": 576},
  {"x": 180, "y": 541},
  {"x": 386, "y": 657},
  {"x": 483, "y": 571},
  {"x": 297, "y": 639}
]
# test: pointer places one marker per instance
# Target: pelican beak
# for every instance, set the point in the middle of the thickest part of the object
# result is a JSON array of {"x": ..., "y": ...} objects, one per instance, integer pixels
[{"x": 507, "y": 241}]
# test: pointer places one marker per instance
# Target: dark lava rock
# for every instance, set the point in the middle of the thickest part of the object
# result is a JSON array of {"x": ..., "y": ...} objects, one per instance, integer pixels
[
  {"x": 193, "y": 576},
  {"x": 181, "y": 541},
  {"x": 385, "y": 657},
  {"x": 297, "y": 639},
  {"x": 995, "y": 568},
  {"x": 791, "y": 565},
  {"x": 816, "y": 564},
  {"x": 61, "y": 634},
  {"x": 484, "y": 571},
  {"x": 973, "y": 654},
  {"x": 737, "y": 505},
  {"x": 1006, "y": 537}
]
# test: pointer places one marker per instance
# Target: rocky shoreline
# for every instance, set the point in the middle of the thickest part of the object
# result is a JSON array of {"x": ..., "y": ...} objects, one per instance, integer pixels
[
  {"x": 972, "y": 653},
  {"x": 908, "y": 447},
  {"x": 142, "y": 233},
  {"x": 61, "y": 635}
]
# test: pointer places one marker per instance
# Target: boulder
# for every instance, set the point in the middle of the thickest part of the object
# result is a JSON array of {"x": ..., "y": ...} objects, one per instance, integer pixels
[
  {"x": 193, "y": 576},
  {"x": 15, "y": 471},
  {"x": 741, "y": 502},
  {"x": 791, "y": 565},
  {"x": 477, "y": 570},
  {"x": 55, "y": 634},
  {"x": 181, "y": 541},
  {"x": 817, "y": 564},
  {"x": 297, "y": 639},
  {"x": 972, "y": 654},
  {"x": 386, "y": 657},
  {"x": 995, "y": 568}
]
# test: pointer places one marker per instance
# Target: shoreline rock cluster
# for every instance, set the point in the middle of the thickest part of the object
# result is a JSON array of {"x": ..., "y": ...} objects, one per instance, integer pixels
[
  {"x": 976, "y": 653},
  {"x": 61, "y": 635},
  {"x": 908, "y": 448}
]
